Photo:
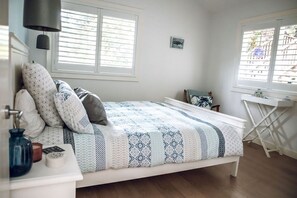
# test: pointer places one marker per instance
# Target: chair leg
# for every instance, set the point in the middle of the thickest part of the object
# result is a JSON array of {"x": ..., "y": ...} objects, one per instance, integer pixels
[
  {"x": 186, "y": 96},
  {"x": 216, "y": 107}
]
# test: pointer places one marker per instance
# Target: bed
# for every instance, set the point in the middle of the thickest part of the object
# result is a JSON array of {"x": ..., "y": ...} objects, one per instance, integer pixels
[{"x": 144, "y": 138}]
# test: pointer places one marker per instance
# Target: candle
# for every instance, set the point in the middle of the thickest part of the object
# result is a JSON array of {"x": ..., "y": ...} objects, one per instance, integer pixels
[{"x": 37, "y": 152}]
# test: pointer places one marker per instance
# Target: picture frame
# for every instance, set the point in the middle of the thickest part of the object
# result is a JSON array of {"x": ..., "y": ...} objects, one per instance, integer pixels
[{"x": 176, "y": 42}]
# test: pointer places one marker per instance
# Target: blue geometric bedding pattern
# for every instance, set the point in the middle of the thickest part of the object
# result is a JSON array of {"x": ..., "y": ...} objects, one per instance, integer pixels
[
  {"x": 145, "y": 134},
  {"x": 149, "y": 125}
]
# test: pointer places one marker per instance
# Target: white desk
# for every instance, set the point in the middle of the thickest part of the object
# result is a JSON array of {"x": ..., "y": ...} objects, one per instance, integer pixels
[
  {"x": 276, "y": 104},
  {"x": 46, "y": 182}
]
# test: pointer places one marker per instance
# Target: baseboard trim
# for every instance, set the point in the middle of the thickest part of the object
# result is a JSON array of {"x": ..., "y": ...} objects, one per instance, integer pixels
[{"x": 286, "y": 151}]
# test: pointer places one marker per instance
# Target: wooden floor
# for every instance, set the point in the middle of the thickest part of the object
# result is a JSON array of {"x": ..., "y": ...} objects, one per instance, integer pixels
[{"x": 258, "y": 176}]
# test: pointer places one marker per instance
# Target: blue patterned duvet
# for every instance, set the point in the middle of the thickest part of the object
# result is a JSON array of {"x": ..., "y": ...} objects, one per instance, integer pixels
[{"x": 144, "y": 134}]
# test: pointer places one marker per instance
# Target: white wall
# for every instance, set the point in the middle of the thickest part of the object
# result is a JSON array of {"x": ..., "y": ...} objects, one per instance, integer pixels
[
  {"x": 163, "y": 71},
  {"x": 16, "y": 19},
  {"x": 222, "y": 63}
]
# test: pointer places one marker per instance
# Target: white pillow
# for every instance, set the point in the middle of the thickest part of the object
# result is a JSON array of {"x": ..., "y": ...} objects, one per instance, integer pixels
[
  {"x": 31, "y": 120},
  {"x": 42, "y": 88},
  {"x": 72, "y": 110}
]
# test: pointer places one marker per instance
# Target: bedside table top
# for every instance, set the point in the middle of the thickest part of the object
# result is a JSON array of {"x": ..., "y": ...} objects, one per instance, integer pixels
[
  {"x": 276, "y": 102},
  {"x": 40, "y": 174}
]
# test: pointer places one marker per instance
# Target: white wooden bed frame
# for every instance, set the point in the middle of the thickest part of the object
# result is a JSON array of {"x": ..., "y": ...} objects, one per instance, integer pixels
[{"x": 19, "y": 54}]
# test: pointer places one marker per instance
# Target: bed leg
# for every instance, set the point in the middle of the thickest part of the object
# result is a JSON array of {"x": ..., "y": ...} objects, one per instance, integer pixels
[{"x": 234, "y": 168}]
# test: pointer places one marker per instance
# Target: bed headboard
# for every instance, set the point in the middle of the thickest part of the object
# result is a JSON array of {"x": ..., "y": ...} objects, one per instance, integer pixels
[{"x": 19, "y": 54}]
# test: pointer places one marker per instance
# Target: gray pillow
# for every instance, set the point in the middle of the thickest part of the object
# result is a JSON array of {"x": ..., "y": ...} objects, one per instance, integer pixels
[{"x": 93, "y": 106}]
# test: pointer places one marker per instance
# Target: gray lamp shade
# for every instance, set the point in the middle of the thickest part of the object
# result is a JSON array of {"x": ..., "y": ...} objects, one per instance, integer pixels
[
  {"x": 42, "y": 42},
  {"x": 43, "y": 15}
]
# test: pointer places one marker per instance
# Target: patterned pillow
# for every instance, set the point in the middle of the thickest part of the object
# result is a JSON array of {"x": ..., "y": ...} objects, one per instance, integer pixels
[
  {"x": 72, "y": 110},
  {"x": 201, "y": 101},
  {"x": 42, "y": 88}
]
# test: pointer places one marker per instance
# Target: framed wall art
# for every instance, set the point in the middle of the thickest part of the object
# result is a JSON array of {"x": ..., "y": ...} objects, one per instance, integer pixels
[{"x": 177, "y": 43}]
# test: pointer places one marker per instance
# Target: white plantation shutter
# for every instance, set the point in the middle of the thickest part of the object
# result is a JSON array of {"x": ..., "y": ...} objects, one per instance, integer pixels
[
  {"x": 268, "y": 58},
  {"x": 285, "y": 69},
  {"x": 77, "y": 41},
  {"x": 255, "y": 55},
  {"x": 118, "y": 33},
  {"x": 95, "y": 41}
]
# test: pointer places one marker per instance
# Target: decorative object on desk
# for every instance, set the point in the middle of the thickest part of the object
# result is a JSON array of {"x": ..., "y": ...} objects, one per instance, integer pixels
[
  {"x": 37, "y": 151},
  {"x": 20, "y": 153},
  {"x": 52, "y": 149},
  {"x": 55, "y": 159},
  {"x": 43, "y": 15},
  {"x": 259, "y": 93},
  {"x": 177, "y": 42}
]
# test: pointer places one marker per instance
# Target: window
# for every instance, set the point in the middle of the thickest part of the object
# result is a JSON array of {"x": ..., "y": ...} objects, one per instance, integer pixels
[
  {"x": 95, "y": 41},
  {"x": 285, "y": 68},
  {"x": 77, "y": 42},
  {"x": 117, "y": 42},
  {"x": 268, "y": 57}
]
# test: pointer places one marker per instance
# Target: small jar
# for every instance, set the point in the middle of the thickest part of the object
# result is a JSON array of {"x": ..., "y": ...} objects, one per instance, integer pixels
[{"x": 37, "y": 151}]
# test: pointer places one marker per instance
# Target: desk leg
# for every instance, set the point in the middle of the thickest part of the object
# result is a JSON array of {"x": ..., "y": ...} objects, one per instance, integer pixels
[
  {"x": 252, "y": 119},
  {"x": 254, "y": 128},
  {"x": 267, "y": 127},
  {"x": 254, "y": 124},
  {"x": 276, "y": 143}
]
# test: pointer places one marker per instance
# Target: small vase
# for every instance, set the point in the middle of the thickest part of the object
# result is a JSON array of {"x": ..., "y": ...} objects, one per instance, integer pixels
[{"x": 20, "y": 153}]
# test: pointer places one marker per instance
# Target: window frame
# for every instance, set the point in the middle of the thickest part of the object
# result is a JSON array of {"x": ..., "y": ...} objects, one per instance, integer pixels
[
  {"x": 96, "y": 73},
  {"x": 270, "y": 88}
]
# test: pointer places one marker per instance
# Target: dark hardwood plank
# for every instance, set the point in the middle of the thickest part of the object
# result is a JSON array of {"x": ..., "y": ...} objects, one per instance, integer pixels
[{"x": 258, "y": 176}]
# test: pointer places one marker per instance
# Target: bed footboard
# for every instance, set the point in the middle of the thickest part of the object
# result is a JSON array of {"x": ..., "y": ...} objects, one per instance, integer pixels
[{"x": 237, "y": 123}]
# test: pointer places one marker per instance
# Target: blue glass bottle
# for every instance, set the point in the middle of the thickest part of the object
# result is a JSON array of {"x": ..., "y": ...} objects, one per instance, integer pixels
[{"x": 20, "y": 153}]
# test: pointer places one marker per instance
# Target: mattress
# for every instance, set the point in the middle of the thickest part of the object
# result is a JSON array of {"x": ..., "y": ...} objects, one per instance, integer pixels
[{"x": 145, "y": 134}]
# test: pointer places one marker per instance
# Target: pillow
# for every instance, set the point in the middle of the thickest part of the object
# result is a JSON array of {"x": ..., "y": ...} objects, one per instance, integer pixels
[
  {"x": 93, "y": 106},
  {"x": 72, "y": 110},
  {"x": 59, "y": 82},
  {"x": 31, "y": 120},
  {"x": 201, "y": 101},
  {"x": 42, "y": 88}
]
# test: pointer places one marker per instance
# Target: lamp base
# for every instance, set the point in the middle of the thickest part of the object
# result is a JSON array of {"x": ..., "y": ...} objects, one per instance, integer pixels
[{"x": 42, "y": 42}]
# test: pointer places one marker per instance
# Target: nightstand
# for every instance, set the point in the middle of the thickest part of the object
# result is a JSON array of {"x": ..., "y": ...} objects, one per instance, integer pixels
[{"x": 46, "y": 182}]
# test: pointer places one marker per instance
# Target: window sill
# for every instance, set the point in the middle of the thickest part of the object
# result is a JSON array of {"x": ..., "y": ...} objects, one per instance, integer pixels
[
  {"x": 94, "y": 77},
  {"x": 266, "y": 92}
]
